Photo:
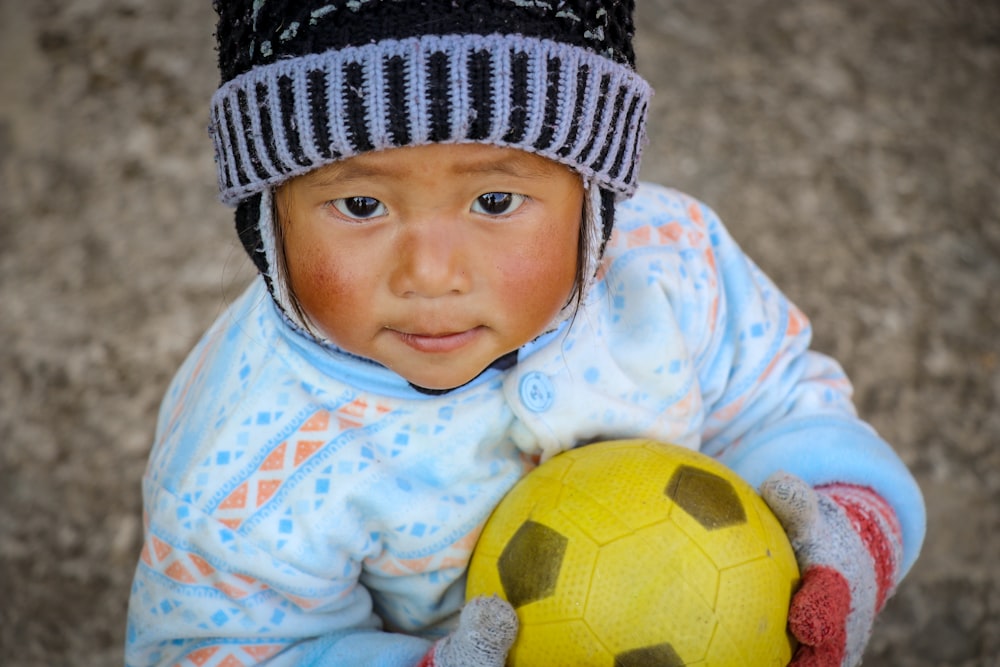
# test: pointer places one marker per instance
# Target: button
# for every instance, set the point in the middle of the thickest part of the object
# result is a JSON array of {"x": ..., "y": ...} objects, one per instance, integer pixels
[{"x": 536, "y": 392}]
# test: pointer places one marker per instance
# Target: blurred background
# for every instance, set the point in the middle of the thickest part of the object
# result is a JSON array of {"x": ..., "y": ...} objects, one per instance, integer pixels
[{"x": 852, "y": 147}]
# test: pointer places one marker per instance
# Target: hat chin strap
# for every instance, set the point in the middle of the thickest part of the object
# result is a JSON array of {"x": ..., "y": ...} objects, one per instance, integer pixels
[
  {"x": 594, "y": 212},
  {"x": 277, "y": 273}
]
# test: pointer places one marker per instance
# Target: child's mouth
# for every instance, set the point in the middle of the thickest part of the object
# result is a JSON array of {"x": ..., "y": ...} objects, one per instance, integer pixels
[{"x": 439, "y": 343}]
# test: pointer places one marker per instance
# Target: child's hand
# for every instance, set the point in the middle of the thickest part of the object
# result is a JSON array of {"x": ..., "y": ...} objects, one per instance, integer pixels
[
  {"x": 847, "y": 542},
  {"x": 486, "y": 630}
]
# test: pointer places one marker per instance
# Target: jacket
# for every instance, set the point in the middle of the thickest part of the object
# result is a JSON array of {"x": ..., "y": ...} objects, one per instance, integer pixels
[{"x": 311, "y": 507}]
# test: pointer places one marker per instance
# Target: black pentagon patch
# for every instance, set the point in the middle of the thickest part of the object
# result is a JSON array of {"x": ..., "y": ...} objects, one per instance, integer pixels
[
  {"x": 708, "y": 498},
  {"x": 661, "y": 655},
  {"x": 530, "y": 563}
]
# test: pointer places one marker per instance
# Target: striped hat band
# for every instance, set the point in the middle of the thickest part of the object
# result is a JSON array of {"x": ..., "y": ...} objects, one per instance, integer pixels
[{"x": 554, "y": 99}]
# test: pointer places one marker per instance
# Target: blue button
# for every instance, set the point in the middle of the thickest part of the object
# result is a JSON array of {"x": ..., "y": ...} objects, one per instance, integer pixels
[{"x": 536, "y": 392}]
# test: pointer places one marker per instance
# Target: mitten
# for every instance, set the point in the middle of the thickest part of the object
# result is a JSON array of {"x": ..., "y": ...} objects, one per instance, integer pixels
[
  {"x": 848, "y": 544},
  {"x": 486, "y": 630}
]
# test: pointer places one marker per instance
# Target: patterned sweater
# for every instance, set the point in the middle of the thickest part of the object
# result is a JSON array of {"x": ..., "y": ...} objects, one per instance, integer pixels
[{"x": 305, "y": 507}]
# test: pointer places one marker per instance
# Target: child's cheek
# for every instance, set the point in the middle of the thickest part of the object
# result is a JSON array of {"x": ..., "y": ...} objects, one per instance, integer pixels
[
  {"x": 324, "y": 288},
  {"x": 539, "y": 281}
]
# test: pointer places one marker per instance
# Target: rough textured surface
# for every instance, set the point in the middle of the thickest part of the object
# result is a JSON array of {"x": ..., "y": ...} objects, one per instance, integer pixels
[{"x": 853, "y": 148}]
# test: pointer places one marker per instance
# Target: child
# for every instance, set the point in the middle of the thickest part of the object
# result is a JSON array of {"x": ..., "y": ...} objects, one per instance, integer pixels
[{"x": 456, "y": 283}]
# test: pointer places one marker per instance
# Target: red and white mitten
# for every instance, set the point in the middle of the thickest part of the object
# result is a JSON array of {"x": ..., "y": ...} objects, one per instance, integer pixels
[
  {"x": 486, "y": 630},
  {"x": 848, "y": 544}
]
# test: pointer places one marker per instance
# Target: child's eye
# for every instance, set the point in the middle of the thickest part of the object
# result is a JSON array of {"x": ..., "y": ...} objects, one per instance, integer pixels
[
  {"x": 359, "y": 208},
  {"x": 497, "y": 203}
]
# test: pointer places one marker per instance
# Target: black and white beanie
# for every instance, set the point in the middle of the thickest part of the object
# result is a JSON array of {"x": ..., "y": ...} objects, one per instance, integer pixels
[{"x": 307, "y": 82}]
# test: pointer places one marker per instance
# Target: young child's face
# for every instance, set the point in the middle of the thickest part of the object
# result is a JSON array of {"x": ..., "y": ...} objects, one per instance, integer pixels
[{"x": 433, "y": 260}]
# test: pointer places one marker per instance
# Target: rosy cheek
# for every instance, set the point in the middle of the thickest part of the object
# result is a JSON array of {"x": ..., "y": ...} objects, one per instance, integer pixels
[
  {"x": 540, "y": 283},
  {"x": 317, "y": 284}
]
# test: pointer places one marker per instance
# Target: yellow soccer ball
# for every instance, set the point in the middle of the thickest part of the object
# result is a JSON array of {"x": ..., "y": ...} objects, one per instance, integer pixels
[{"x": 635, "y": 552}]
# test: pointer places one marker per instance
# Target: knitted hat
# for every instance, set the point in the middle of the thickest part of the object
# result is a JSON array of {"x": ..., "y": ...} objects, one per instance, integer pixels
[{"x": 306, "y": 83}]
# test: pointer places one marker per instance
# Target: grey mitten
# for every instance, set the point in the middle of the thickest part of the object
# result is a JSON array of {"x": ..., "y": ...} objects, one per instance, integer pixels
[
  {"x": 848, "y": 544},
  {"x": 486, "y": 630}
]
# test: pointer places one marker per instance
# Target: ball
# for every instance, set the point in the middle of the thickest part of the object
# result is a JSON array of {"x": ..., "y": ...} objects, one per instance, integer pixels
[{"x": 635, "y": 552}]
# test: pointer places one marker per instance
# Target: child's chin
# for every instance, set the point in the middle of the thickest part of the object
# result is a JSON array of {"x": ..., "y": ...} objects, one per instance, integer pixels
[
  {"x": 438, "y": 387},
  {"x": 442, "y": 382}
]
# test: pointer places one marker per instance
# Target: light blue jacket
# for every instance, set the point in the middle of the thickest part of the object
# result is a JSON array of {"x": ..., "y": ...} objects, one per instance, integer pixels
[{"x": 312, "y": 508}]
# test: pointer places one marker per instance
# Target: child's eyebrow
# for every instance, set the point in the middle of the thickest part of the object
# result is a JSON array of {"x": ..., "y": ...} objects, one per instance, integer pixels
[
  {"x": 516, "y": 166},
  {"x": 519, "y": 166},
  {"x": 339, "y": 172}
]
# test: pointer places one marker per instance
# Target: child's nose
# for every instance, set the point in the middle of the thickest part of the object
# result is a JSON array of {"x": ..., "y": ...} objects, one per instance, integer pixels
[{"x": 432, "y": 260}]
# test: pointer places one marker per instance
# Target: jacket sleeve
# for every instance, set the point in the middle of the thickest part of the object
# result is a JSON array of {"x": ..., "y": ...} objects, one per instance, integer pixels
[
  {"x": 205, "y": 596},
  {"x": 771, "y": 403}
]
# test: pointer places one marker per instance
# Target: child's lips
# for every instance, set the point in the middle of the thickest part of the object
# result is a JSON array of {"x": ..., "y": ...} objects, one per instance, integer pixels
[{"x": 439, "y": 343}]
